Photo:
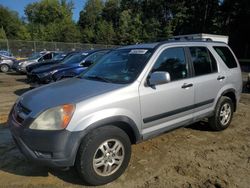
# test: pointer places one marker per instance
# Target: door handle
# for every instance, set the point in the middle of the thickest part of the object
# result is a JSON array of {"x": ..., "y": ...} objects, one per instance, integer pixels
[
  {"x": 184, "y": 86},
  {"x": 220, "y": 78}
]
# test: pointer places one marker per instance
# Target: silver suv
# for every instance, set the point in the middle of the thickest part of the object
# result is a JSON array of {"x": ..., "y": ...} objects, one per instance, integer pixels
[{"x": 133, "y": 93}]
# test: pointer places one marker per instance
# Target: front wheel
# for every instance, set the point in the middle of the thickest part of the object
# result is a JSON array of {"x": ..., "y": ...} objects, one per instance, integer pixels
[
  {"x": 4, "y": 68},
  {"x": 223, "y": 114},
  {"x": 103, "y": 155}
]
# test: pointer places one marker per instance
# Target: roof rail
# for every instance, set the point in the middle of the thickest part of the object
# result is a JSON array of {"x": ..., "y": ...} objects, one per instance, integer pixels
[{"x": 190, "y": 39}]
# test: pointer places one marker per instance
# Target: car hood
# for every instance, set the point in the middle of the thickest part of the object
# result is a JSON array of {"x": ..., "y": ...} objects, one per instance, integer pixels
[
  {"x": 44, "y": 64},
  {"x": 26, "y": 63},
  {"x": 7, "y": 57},
  {"x": 67, "y": 91},
  {"x": 48, "y": 68}
]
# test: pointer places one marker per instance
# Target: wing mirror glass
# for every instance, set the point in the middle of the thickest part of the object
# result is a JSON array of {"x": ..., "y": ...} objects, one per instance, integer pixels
[
  {"x": 158, "y": 78},
  {"x": 86, "y": 63}
]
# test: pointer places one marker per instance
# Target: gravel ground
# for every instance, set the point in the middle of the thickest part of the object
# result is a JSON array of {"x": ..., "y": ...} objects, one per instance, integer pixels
[{"x": 188, "y": 157}]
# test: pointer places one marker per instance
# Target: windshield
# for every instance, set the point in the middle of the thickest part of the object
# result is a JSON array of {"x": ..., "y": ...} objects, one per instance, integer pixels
[
  {"x": 119, "y": 66},
  {"x": 35, "y": 56},
  {"x": 59, "y": 56},
  {"x": 76, "y": 58}
]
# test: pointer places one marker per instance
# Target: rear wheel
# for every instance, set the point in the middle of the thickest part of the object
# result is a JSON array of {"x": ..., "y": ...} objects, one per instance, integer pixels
[
  {"x": 4, "y": 68},
  {"x": 223, "y": 114},
  {"x": 103, "y": 155}
]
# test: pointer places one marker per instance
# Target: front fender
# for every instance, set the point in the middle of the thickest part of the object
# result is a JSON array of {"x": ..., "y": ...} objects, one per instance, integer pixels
[{"x": 102, "y": 118}]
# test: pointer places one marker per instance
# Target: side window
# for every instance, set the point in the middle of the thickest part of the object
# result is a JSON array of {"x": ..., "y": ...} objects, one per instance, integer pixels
[
  {"x": 173, "y": 61},
  {"x": 226, "y": 56},
  {"x": 213, "y": 62},
  {"x": 203, "y": 61},
  {"x": 47, "y": 56}
]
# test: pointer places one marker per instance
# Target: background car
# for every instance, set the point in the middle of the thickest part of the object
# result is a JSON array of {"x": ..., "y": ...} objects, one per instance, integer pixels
[
  {"x": 6, "y": 53},
  {"x": 56, "y": 59},
  {"x": 6, "y": 62},
  {"x": 33, "y": 55},
  {"x": 36, "y": 58},
  {"x": 70, "y": 67}
]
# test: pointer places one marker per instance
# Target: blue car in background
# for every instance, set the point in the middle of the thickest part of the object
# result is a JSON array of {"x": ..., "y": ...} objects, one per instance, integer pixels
[
  {"x": 69, "y": 67},
  {"x": 6, "y": 53}
]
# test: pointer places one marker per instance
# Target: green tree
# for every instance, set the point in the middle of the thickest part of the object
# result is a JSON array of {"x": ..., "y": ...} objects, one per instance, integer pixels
[
  {"x": 104, "y": 32},
  {"x": 200, "y": 16},
  {"x": 111, "y": 11},
  {"x": 51, "y": 20},
  {"x": 234, "y": 21},
  {"x": 2, "y": 34},
  {"x": 130, "y": 28},
  {"x": 48, "y": 11},
  {"x": 151, "y": 30},
  {"x": 91, "y": 13},
  {"x": 89, "y": 17},
  {"x": 12, "y": 25}
]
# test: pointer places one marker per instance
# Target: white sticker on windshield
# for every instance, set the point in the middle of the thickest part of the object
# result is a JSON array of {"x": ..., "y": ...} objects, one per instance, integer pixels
[
  {"x": 138, "y": 51},
  {"x": 84, "y": 53}
]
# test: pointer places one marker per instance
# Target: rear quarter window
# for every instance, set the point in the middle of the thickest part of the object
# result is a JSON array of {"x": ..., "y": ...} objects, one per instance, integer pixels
[{"x": 226, "y": 55}]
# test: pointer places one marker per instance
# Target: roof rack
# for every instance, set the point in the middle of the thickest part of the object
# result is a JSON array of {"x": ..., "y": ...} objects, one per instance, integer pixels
[{"x": 190, "y": 39}]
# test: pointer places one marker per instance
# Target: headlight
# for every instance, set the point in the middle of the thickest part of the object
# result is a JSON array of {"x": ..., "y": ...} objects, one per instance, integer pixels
[
  {"x": 56, "y": 118},
  {"x": 54, "y": 71},
  {"x": 43, "y": 74},
  {"x": 46, "y": 74}
]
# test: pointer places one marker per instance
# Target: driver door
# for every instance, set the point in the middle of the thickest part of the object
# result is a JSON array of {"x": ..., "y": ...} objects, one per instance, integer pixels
[{"x": 168, "y": 105}]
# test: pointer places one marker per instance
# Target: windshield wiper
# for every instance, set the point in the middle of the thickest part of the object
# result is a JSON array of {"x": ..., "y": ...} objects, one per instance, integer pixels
[{"x": 97, "y": 78}]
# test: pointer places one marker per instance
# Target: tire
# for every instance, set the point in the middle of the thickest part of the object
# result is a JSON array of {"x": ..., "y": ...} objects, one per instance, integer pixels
[
  {"x": 93, "y": 146},
  {"x": 4, "y": 68},
  {"x": 224, "y": 109}
]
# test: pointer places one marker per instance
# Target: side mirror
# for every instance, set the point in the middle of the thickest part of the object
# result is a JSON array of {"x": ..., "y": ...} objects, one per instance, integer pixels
[
  {"x": 40, "y": 60},
  {"x": 86, "y": 63},
  {"x": 158, "y": 77}
]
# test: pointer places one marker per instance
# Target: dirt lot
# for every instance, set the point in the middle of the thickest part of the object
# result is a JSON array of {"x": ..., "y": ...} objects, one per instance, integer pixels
[{"x": 188, "y": 157}]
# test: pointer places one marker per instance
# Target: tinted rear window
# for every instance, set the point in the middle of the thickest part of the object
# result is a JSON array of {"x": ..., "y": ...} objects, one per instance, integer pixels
[
  {"x": 203, "y": 61},
  {"x": 226, "y": 55}
]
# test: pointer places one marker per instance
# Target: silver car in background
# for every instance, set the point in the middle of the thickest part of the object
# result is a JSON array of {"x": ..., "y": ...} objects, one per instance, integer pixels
[
  {"x": 6, "y": 63},
  {"x": 35, "y": 58},
  {"x": 131, "y": 94}
]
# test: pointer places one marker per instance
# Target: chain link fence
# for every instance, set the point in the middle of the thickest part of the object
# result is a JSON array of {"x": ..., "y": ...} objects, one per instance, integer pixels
[{"x": 20, "y": 48}]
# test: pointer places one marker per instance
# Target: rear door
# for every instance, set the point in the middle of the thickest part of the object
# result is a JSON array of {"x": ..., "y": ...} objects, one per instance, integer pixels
[{"x": 207, "y": 80}]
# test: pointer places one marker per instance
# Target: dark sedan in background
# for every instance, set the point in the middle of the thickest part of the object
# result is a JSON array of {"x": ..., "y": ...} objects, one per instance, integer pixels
[{"x": 69, "y": 67}]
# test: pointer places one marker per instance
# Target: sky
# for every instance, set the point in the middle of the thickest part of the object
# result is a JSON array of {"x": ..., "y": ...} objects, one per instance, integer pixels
[{"x": 19, "y": 5}]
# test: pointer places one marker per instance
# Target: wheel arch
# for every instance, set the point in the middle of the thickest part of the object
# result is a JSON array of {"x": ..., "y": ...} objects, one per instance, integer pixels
[
  {"x": 231, "y": 94},
  {"x": 122, "y": 122}
]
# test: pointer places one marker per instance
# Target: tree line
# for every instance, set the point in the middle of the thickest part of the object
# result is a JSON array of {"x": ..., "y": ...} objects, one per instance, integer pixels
[{"x": 129, "y": 21}]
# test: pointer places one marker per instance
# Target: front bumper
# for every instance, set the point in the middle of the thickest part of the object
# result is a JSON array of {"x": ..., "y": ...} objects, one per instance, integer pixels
[
  {"x": 20, "y": 69},
  {"x": 35, "y": 79},
  {"x": 49, "y": 148}
]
